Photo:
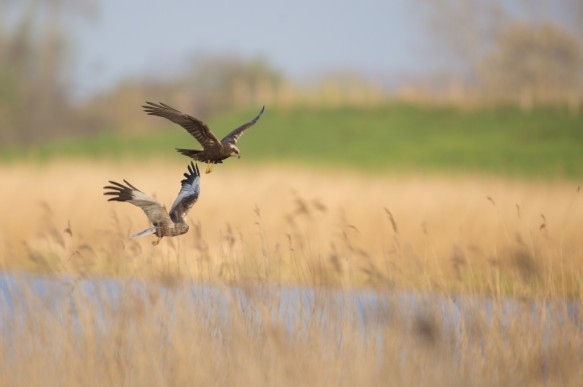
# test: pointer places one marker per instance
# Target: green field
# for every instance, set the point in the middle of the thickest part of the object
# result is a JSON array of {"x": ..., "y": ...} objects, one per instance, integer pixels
[{"x": 545, "y": 142}]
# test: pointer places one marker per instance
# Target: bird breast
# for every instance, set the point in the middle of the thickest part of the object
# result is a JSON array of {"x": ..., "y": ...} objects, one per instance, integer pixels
[{"x": 173, "y": 230}]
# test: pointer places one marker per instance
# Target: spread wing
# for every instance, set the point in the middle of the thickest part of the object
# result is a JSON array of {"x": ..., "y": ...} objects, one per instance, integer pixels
[
  {"x": 155, "y": 211},
  {"x": 187, "y": 196},
  {"x": 232, "y": 137},
  {"x": 194, "y": 126}
]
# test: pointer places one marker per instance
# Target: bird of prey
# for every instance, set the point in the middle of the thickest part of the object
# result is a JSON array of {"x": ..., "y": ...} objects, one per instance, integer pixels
[
  {"x": 213, "y": 151},
  {"x": 164, "y": 223}
]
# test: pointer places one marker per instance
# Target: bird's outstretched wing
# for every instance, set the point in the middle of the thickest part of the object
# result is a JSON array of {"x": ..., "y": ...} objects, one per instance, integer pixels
[
  {"x": 232, "y": 137},
  {"x": 187, "y": 196},
  {"x": 194, "y": 126},
  {"x": 155, "y": 211}
]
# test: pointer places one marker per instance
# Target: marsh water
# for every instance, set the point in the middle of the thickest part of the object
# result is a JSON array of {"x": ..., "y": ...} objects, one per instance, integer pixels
[
  {"x": 413, "y": 337},
  {"x": 25, "y": 297}
]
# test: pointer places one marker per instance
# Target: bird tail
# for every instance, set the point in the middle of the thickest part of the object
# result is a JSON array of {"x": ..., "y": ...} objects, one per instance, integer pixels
[
  {"x": 189, "y": 152},
  {"x": 147, "y": 231}
]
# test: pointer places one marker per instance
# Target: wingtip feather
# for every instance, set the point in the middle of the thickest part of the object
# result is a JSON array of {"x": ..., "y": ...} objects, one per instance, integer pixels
[{"x": 193, "y": 171}]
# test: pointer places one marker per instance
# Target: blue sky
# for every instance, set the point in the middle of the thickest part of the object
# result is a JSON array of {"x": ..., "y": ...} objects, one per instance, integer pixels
[{"x": 303, "y": 38}]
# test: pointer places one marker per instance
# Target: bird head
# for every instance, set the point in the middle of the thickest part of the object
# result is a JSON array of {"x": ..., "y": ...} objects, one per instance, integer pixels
[
  {"x": 235, "y": 151},
  {"x": 182, "y": 228}
]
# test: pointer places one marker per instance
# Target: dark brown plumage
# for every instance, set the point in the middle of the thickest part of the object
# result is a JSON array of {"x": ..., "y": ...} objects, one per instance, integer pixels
[{"x": 214, "y": 151}]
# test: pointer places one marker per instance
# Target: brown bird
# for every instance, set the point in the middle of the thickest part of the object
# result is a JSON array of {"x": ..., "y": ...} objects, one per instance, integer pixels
[
  {"x": 213, "y": 151},
  {"x": 165, "y": 224}
]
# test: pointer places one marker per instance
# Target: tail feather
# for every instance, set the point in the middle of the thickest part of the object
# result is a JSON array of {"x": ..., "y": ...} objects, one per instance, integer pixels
[
  {"x": 147, "y": 231},
  {"x": 198, "y": 155},
  {"x": 189, "y": 152}
]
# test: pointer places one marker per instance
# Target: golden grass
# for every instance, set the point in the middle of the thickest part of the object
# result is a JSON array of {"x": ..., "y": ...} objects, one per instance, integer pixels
[
  {"x": 284, "y": 225},
  {"x": 457, "y": 236}
]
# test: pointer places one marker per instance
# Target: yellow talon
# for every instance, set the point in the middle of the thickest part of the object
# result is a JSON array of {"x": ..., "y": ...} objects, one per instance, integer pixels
[
  {"x": 156, "y": 242},
  {"x": 209, "y": 168}
]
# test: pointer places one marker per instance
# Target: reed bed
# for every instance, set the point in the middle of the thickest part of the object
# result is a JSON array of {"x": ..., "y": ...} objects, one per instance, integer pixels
[{"x": 284, "y": 225}]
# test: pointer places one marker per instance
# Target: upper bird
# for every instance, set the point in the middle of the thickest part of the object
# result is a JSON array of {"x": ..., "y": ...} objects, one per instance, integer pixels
[
  {"x": 165, "y": 224},
  {"x": 213, "y": 151}
]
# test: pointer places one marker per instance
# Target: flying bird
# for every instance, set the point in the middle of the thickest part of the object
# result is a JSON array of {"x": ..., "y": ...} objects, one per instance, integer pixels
[
  {"x": 164, "y": 223},
  {"x": 213, "y": 151}
]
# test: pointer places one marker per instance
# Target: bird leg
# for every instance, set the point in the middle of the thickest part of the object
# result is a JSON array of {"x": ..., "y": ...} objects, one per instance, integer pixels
[
  {"x": 209, "y": 168},
  {"x": 155, "y": 243}
]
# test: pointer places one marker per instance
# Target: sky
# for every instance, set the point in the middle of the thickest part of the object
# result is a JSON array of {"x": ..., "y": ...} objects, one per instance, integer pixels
[{"x": 303, "y": 38}]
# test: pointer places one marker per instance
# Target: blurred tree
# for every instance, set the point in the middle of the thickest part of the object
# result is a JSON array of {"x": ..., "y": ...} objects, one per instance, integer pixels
[
  {"x": 503, "y": 47},
  {"x": 220, "y": 82},
  {"x": 211, "y": 84},
  {"x": 459, "y": 31},
  {"x": 533, "y": 62},
  {"x": 33, "y": 60}
]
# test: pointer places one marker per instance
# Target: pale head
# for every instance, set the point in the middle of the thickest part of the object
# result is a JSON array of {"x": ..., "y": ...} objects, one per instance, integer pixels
[
  {"x": 234, "y": 151},
  {"x": 181, "y": 228}
]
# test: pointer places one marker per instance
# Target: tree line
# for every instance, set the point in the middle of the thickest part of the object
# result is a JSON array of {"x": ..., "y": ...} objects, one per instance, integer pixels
[{"x": 493, "y": 51}]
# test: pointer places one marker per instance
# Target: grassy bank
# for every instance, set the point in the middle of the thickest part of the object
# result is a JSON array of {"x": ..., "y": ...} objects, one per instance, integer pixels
[{"x": 545, "y": 142}]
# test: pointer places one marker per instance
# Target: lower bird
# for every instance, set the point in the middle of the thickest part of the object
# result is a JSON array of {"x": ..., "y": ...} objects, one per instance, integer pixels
[{"x": 164, "y": 223}]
